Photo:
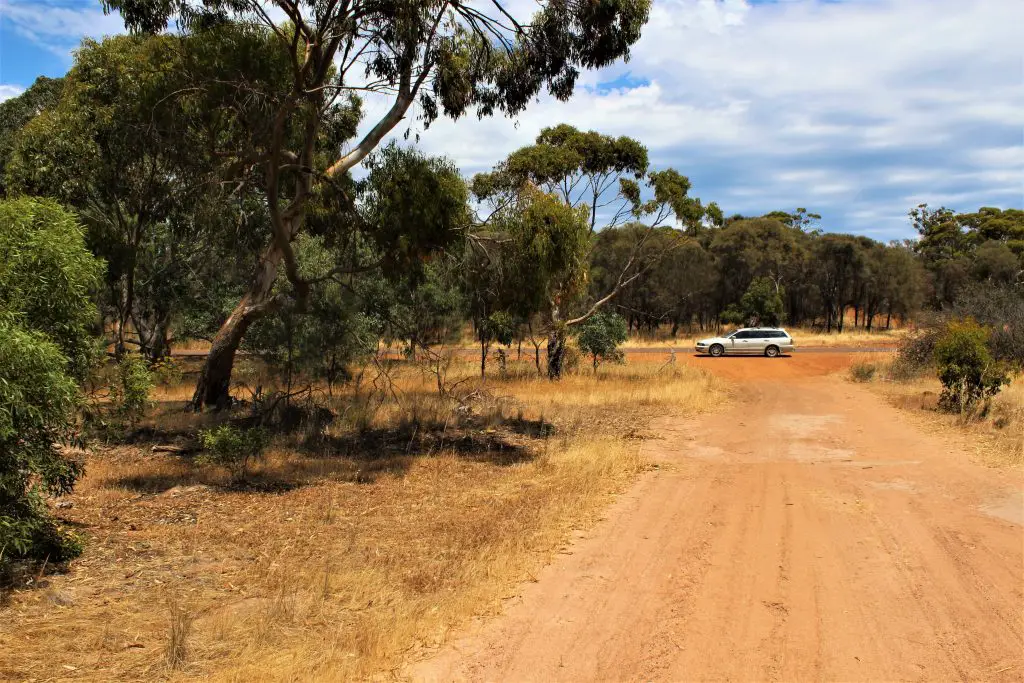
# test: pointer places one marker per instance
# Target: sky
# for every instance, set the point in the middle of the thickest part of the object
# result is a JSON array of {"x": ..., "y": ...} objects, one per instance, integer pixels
[{"x": 857, "y": 110}]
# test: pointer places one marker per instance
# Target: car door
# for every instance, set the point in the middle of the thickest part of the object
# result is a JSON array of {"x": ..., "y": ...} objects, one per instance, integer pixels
[
  {"x": 743, "y": 342},
  {"x": 762, "y": 339}
]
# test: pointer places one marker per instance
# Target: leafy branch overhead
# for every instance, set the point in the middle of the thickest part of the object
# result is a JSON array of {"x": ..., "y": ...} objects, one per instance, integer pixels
[{"x": 447, "y": 56}]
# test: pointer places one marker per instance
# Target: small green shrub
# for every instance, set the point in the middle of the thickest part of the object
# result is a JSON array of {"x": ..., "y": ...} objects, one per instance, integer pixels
[
  {"x": 232, "y": 448},
  {"x": 966, "y": 368},
  {"x": 130, "y": 392},
  {"x": 862, "y": 371},
  {"x": 166, "y": 371},
  {"x": 600, "y": 336}
]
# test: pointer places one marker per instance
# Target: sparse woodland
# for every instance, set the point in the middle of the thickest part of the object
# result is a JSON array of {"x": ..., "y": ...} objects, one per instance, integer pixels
[{"x": 381, "y": 352}]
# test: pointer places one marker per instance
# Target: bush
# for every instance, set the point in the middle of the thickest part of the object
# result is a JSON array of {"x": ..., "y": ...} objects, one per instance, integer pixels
[
  {"x": 46, "y": 346},
  {"x": 1000, "y": 307},
  {"x": 37, "y": 401},
  {"x": 130, "y": 392},
  {"x": 232, "y": 448},
  {"x": 600, "y": 336},
  {"x": 966, "y": 368},
  {"x": 862, "y": 371},
  {"x": 166, "y": 371},
  {"x": 47, "y": 277}
]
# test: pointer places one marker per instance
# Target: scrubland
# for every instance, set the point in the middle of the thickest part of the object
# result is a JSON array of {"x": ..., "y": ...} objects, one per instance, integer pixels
[{"x": 343, "y": 553}]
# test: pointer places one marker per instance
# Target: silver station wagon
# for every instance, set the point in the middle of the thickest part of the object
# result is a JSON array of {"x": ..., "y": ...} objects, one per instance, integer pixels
[{"x": 766, "y": 341}]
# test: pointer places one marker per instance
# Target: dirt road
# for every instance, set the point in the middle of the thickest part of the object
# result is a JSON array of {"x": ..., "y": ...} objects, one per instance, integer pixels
[{"x": 806, "y": 532}]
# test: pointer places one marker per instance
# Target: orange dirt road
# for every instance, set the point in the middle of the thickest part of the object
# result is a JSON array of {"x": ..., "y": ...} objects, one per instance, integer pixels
[{"x": 805, "y": 532}]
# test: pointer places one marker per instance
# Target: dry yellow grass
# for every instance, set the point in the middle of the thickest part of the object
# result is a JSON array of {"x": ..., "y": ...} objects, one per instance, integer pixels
[
  {"x": 998, "y": 433},
  {"x": 338, "y": 566}
]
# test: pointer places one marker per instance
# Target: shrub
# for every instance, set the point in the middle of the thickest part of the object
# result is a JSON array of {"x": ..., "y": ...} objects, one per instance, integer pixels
[
  {"x": 47, "y": 276},
  {"x": 46, "y": 346},
  {"x": 862, "y": 371},
  {"x": 600, "y": 336},
  {"x": 166, "y": 371},
  {"x": 966, "y": 368},
  {"x": 1000, "y": 307},
  {"x": 130, "y": 392},
  {"x": 37, "y": 401},
  {"x": 232, "y": 448}
]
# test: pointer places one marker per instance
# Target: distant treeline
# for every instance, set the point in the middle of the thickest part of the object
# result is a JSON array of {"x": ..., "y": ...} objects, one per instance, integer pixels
[{"x": 780, "y": 268}]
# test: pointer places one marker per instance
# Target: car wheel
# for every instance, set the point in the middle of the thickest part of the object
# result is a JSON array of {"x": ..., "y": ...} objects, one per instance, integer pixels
[
  {"x": 716, "y": 350},
  {"x": 771, "y": 351}
]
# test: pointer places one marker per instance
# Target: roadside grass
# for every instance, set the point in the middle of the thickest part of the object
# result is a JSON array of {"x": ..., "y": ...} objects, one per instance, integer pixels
[
  {"x": 338, "y": 560},
  {"x": 998, "y": 431}
]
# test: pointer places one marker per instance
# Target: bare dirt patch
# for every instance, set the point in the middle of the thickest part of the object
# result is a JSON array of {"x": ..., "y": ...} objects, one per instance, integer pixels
[{"x": 736, "y": 561}]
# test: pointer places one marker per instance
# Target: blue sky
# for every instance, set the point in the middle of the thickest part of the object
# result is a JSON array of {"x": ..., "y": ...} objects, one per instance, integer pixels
[{"x": 858, "y": 110}]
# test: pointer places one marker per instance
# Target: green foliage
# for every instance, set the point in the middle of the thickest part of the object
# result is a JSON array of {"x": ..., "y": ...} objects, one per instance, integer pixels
[
  {"x": 341, "y": 324},
  {"x": 130, "y": 392},
  {"x": 600, "y": 336},
  {"x": 47, "y": 276},
  {"x": 966, "y": 368},
  {"x": 167, "y": 372},
  {"x": 498, "y": 327},
  {"x": 37, "y": 402},
  {"x": 413, "y": 205},
  {"x": 433, "y": 311},
  {"x": 468, "y": 70},
  {"x": 999, "y": 307},
  {"x": 18, "y": 111},
  {"x": 233, "y": 448},
  {"x": 957, "y": 248},
  {"x": 128, "y": 145},
  {"x": 762, "y": 303}
]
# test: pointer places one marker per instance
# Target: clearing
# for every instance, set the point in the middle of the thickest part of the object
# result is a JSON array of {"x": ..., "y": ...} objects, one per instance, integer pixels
[{"x": 807, "y": 531}]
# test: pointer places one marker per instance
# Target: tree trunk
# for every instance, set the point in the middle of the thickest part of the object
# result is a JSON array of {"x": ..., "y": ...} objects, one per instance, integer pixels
[
  {"x": 556, "y": 353},
  {"x": 212, "y": 389},
  {"x": 483, "y": 359}
]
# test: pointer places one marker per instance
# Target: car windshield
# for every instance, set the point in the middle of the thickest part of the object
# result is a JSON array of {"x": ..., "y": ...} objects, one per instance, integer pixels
[{"x": 732, "y": 335}]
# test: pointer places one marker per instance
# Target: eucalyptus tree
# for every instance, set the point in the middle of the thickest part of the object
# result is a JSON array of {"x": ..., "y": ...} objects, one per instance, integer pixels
[
  {"x": 445, "y": 56},
  {"x": 17, "y": 112},
  {"x": 751, "y": 248},
  {"x": 123, "y": 146},
  {"x": 603, "y": 181}
]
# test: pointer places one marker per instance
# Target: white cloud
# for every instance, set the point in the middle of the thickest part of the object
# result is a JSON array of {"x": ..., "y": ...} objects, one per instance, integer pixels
[
  {"x": 9, "y": 91},
  {"x": 872, "y": 99},
  {"x": 59, "y": 26}
]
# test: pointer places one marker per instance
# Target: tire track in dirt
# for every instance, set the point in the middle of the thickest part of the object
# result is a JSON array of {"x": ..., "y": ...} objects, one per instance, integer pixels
[{"x": 803, "y": 533}]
